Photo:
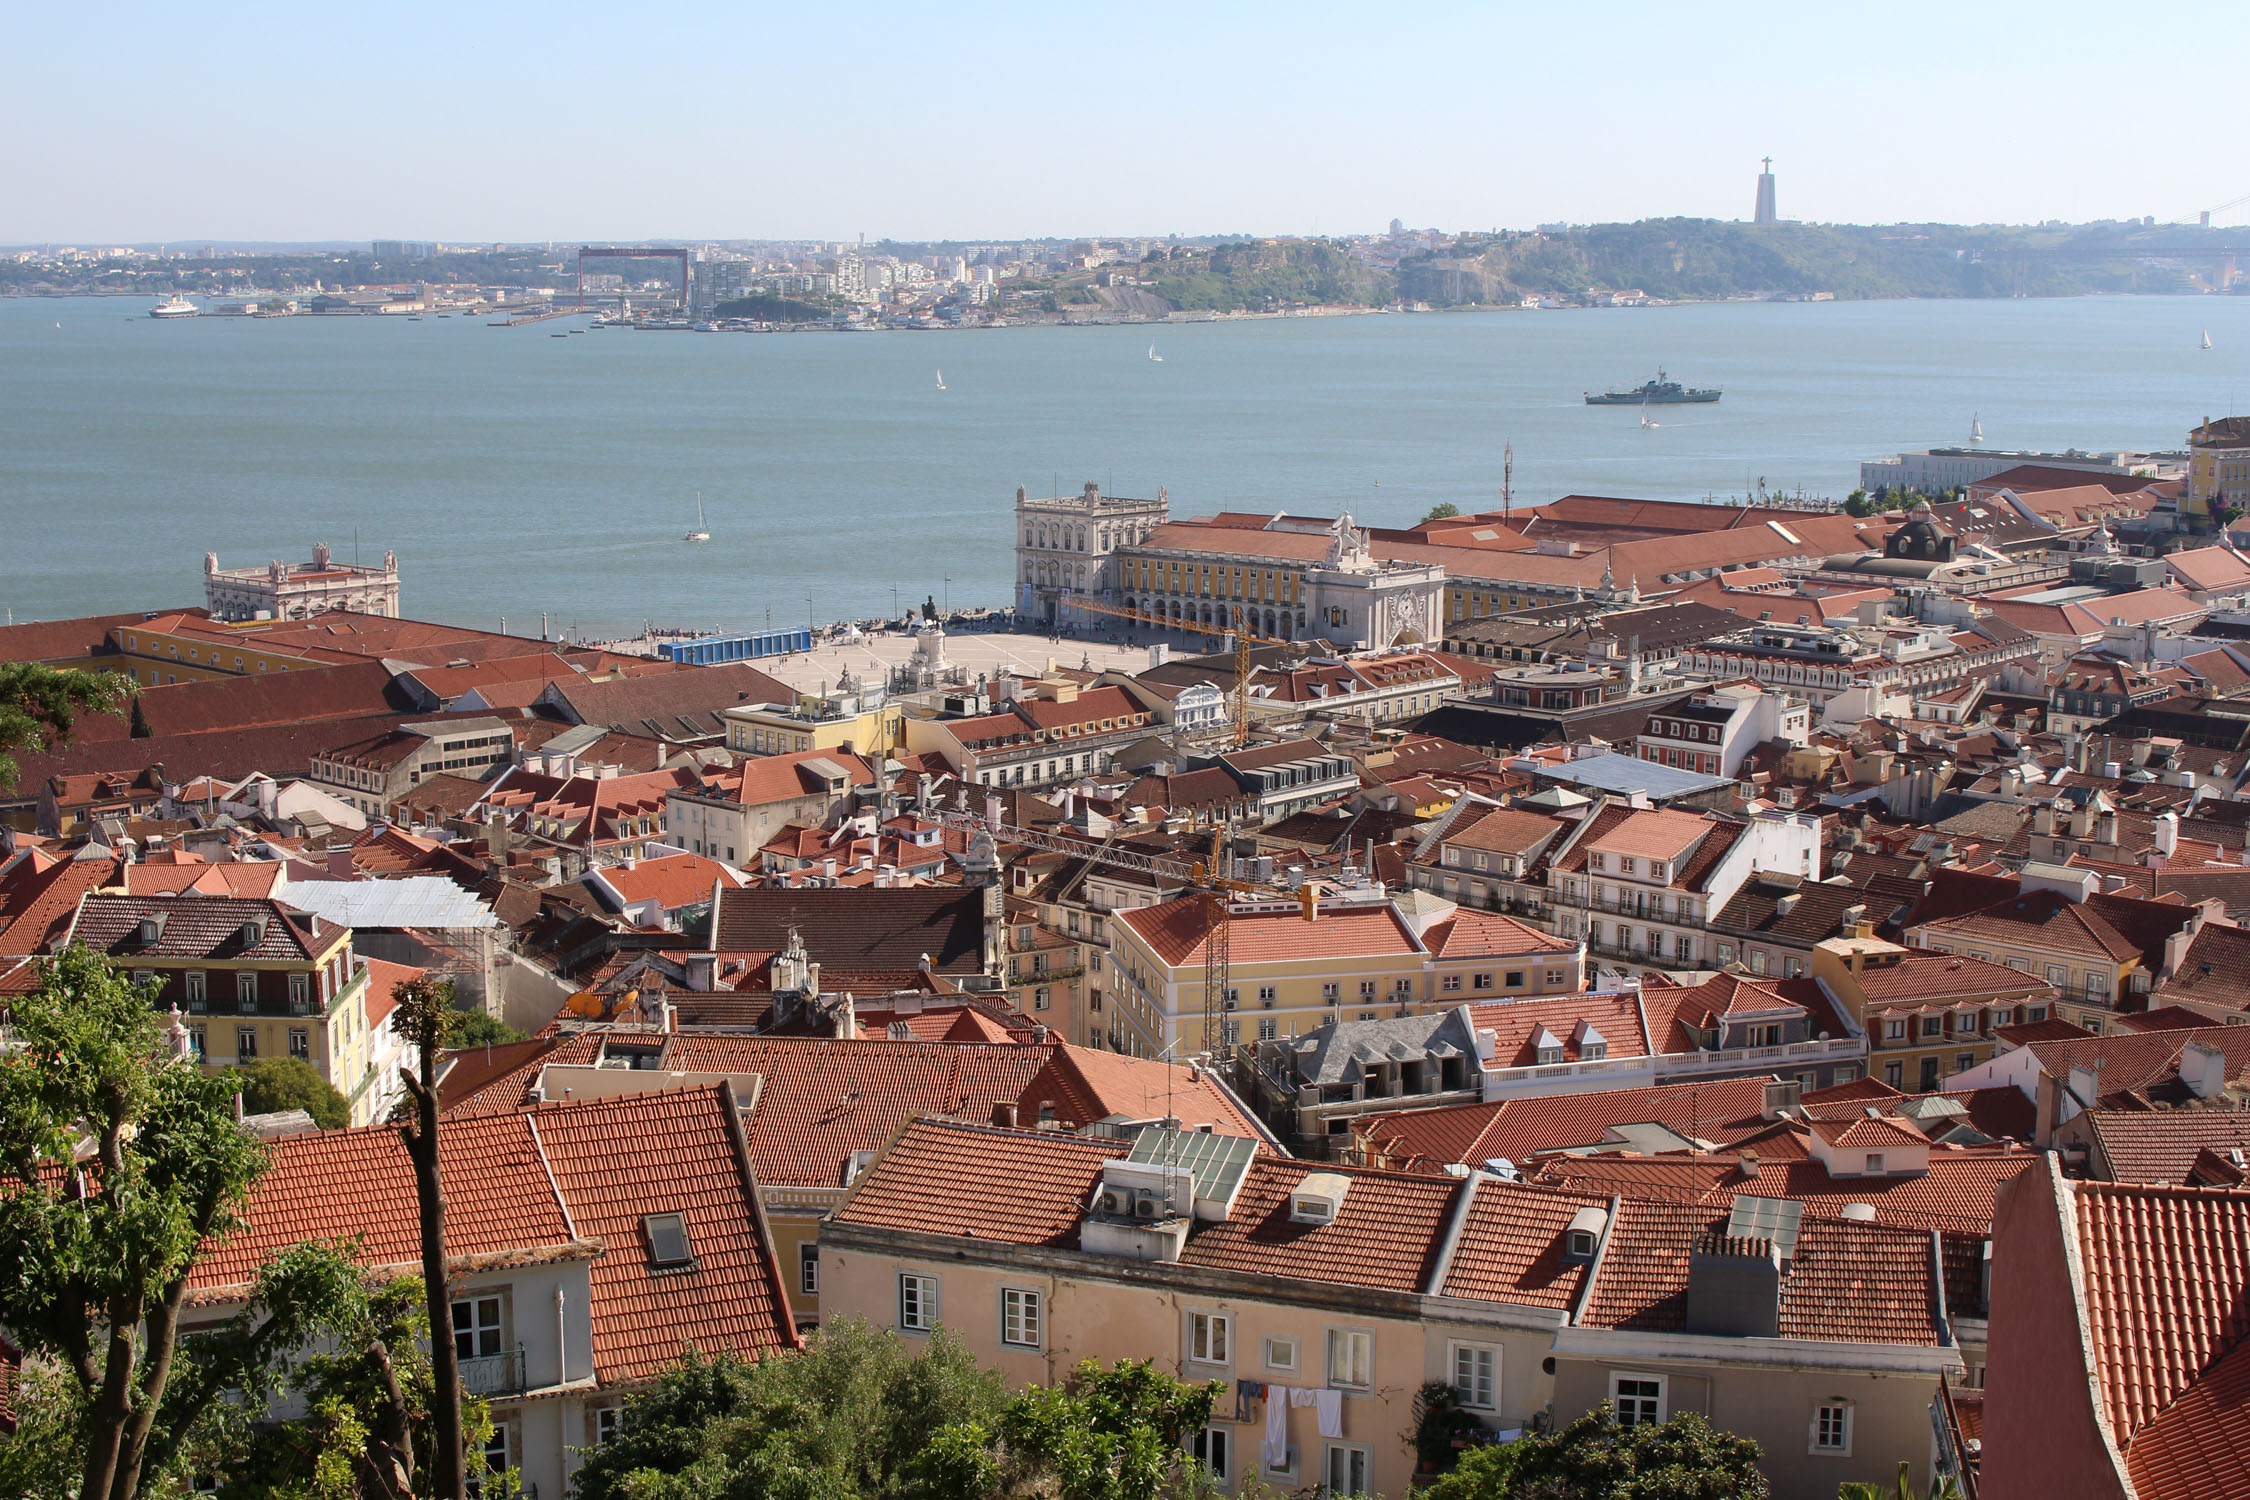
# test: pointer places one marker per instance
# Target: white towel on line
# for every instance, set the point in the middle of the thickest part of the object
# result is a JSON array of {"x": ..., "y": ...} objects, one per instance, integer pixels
[
  {"x": 1277, "y": 1428},
  {"x": 1328, "y": 1405},
  {"x": 1300, "y": 1396}
]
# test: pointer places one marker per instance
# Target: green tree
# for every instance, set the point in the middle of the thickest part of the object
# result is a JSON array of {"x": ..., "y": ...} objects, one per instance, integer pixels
[
  {"x": 1443, "y": 510},
  {"x": 272, "y": 1084},
  {"x": 95, "y": 1255},
  {"x": 856, "y": 1414},
  {"x": 1110, "y": 1434},
  {"x": 1595, "y": 1459},
  {"x": 1902, "y": 1488},
  {"x": 427, "y": 1019},
  {"x": 40, "y": 705},
  {"x": 475, "y": 1028}
]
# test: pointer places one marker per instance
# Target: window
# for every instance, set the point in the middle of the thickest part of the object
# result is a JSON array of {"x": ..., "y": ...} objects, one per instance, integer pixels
[
  {"x": 1266, "y": 996},
  {"x": 1281, "y": 1354},
  {"x": 667, "y": 1239},
  {"x": 1963, "y": 1061},
  {"x": 476, "y": 1327},
  {"x": 808, "y": 1270},
  {"x": 1791, "y": 966},
  {"x": 198, "y": 989},
  {"x": 917, "y": 1303},
  {"x": 1019, "y": 1317},
  {"x": 1332, "y": 992},
  {"x": 1039, "y": 998},
  {"x": 1556, "y": 976},
  {"x": 1480, "y": 982},
  {"x": 1268, "y": 1029},
  {"x": 1351, "y": 1358},
  {"x": 1210, "y": 1338},
  {"x": 2058, "y": 975},
  {"x": 495, "y": 1452},
  {"x": 300, "y": 988},
  {"x": 1832, "y": 1427},
  {"x": 245, "y": 1043},
  {"x": 1367, "y": 989},
  {"x": 1348, "y": 1467},
  {"x": 1894, "y": 1074},
  {"x": 1515, "y": 979},
  {"x": 1930, "y": 1025},
  {"x": 196, "y": 1042},
  {"x": 1757, "y": 960},
  {"x": 1874, "y": 1167},
  {"x": 300, "y": 1043},
  {"x": 2036, "y": 1012},
  {"x": 2095, "y": 990},
  {"x": 605, "y": 1423},
  {"x": 1476, "y": 1376},
  {"x": 1636, "y": 1399},
  {"x": 1451, "y": 984},
  {"x": 1214, "y": 1449},
  {"x": 246, "y": 990}
]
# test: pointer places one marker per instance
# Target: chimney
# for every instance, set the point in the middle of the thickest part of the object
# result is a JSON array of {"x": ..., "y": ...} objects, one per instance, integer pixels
[
  {"x": 1782, "y": 1096},
  {"x": 2047, "y": 1103},
  {"x": 1748, "y": 1161},
  {"x": 847, "y": 1019},
  {"x": 700, "y": 970},
  {"x": 1734, "y": 1287},
  {"x": 340, "y": 866},
  {"x": 1004, "y": 1113},
  {"x": 2204, "y": 1070}
]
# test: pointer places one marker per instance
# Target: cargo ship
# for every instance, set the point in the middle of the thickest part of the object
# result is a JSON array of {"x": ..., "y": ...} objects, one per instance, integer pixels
[
  {"x": 1659, "y": 392},
  {"x": 174, "y": 306}
]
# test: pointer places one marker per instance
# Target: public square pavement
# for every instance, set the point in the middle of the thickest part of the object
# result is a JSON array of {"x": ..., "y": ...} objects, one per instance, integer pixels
[{"x": 871, "y": 657}]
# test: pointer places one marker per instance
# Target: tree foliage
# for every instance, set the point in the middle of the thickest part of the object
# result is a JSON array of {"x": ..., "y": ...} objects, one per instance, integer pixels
[
  {"x": 1901, "y": 1488},
  {"x": 1443, "y": 510},
  {"x": 1593, "y": 1458},
  {"x": 270, "y": 1085},
  {"x": 475, "y": 1028},
  {"x": 855, "y": 1415},
  {"x": 40, "y": 705}
]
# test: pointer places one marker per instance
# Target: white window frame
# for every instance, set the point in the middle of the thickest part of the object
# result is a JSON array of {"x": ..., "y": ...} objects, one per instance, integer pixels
[
  {"x": 475, "y": 1330},
  {"x": 1023, "y": 1309},
  {"x": 1840, "y": 1449},
  {"x": 1482, "y": 1393},
  {"x": 607, "y": 1420},
  {"x": 1345, "y": 1454},
  {"x": 1210, "y": 1337},
  {"x": 808, "y": 1268},
  {"x": 1273, "y": 1343},
  {"x": 1617, "y": 1398},
  {"x": 919, "y": 1295},
  {"x": 1348, "y": 1341}
]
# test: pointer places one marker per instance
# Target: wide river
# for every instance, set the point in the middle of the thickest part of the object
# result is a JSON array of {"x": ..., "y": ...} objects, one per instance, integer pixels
[{"x": 515, "y": 473}]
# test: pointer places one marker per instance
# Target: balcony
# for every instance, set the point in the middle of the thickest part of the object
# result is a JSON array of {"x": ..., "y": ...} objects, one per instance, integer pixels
[{"x": 494, "y": 1374}]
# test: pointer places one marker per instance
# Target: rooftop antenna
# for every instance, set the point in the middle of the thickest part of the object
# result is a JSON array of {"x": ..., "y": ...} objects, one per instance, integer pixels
[{"x": 1508, "y": 482}]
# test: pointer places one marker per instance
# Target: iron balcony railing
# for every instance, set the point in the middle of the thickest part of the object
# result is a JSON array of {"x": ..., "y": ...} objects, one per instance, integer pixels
[{"x": 494, "y": 1374}]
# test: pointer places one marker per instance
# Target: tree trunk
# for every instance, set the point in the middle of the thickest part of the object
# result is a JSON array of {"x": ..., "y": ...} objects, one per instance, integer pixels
[
  {"x": 391, "y": 1454},
  {"x": 156, "y": 1361},
  {"x": 112, "y": 1409},
  {"x": 449, "y": 1478}
]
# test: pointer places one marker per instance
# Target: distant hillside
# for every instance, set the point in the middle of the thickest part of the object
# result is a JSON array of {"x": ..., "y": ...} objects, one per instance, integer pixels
[
  {"x": 1259, "y": 275},
  {"x": 1708, "y": 258}
]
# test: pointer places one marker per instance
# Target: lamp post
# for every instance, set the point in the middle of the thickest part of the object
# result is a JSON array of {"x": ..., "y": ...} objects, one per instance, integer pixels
[
  {"x": 949, "y": 595},
  {"x": 894, "y": 601}
]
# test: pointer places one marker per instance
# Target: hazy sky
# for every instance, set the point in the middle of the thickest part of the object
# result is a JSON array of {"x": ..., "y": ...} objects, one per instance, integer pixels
[{"x": 131, "y": 121}]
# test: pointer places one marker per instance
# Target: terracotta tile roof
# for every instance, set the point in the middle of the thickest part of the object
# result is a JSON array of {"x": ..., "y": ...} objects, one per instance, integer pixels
[
  {"x": 618, "y": 1160},
  {"x": 40, "y": 895},
  {"x": 1385, "y": 1236},
  {"x": 2200, "y": 1445},
  {"x": 673, "y": 881},
  {"x": 1721, "y": 1111},
  {"x": 850, "y": 930},
  {"x": 2164, "y": 1270},
  {"x": 668, "y": 705},
  {"x": 201, "y": 927},
  {"x": 758, "y": 780},
  {"x": 1470, "y": 933},
  {"x": 239, "y": 877},
  {"x": 1654, "y": 835},
  {"x": 2139, "y": 1062},
  {"x": 1515, "y": 1026},
  {"x": 2162, "y": 1146},
  {"x": 1850, "y": 1282},
  {"x": 1944, "y": 976},
  {"x": 2215, "y": 970},
  {"x": 1087, "y": 1085},
  {"x": 337, "y": 1184},
  {"x": 1955, "y": 1194},
  {"x": 1869, "y": 1130},
  {"x": 2039, "y": 920},
  {"x": 1007, "y": 1186},
  {"x": 383, "y": 980},
  {"x": 1511, "y": 1246},
  {"x": 1175, "y": 931}
]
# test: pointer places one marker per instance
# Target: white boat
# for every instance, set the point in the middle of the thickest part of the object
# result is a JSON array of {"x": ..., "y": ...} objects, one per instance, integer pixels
[
  {"x": 699, "y": 534},
  {"x": 174, "y": 306},
  {"x": 1648, "y": 422},
  {"x": 2206, "y": 338},
  {"x": 1154, "y": 357},
  {"x": 941, "y": 380},
  {"x": 1976, "y": 428}
]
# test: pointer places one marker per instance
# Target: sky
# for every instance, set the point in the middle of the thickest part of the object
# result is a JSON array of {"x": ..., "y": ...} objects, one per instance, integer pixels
[{"x": 701, "y": 119}]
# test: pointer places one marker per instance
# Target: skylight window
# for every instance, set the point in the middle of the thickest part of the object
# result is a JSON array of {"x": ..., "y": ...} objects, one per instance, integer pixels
[{"x": 667, "y": 1240}]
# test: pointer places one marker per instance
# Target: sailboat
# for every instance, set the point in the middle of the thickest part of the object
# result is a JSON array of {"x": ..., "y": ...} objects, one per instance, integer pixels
[
  {"x": 941, "y": 380},
  {"x": 1976, "y": 429},
  {"x": 2206, "y": 338},
  {"x": 1154, "y": 357},
  {"x": 1647, "y": 421},
  {"x": 698, "y": 534}
]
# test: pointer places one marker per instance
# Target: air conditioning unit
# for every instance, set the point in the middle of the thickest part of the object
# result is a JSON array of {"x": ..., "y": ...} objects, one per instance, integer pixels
[
  {"x": 1148, "y": 1206},
  {"x": 1117, "y": 1201}
]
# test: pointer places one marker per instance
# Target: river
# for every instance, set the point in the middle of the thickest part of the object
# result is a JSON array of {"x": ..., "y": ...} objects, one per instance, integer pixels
[{"x": 514, "y": 472}]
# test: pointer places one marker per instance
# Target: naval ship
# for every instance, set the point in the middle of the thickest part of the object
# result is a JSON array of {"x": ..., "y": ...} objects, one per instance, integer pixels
[{"x": 1658, "y": 392}]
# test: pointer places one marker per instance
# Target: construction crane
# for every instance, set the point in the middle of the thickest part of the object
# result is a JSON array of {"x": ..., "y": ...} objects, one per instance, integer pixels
[
  {"x": 1216, "y": 891},
  {"x": 1238, "y": 701}
]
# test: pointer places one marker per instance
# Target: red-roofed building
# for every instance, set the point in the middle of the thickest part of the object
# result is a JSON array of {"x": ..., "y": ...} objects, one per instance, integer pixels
[
  {"x": 583, "y": 820},
  {"x": 592, "y": 1245},
  {"x": 1282, "y": 1277},
  {"x": 2120, "y": 1365},
  {"x": 1050, "y": 735},
  {"x": 657, "y": 892},
  {"x": 732, "y": 814}
]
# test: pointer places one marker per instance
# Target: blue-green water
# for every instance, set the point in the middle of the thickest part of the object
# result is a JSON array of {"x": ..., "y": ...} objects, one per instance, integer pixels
[{"x": 514, "y": 472}]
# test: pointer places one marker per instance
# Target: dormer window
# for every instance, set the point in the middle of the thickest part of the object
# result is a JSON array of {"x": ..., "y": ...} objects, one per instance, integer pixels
[
  {"x": 1579, "y": 1245},
  {"x": 1874, "y": 1166},
  {"x": 1584, "y": 1236},
  {"x": 667, "y": 1240}
]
